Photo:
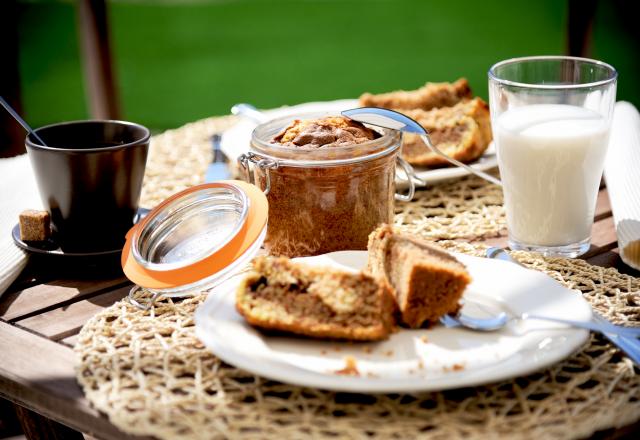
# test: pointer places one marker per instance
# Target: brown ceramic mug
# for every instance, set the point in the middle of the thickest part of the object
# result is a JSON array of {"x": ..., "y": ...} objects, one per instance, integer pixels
[{"x": 89, "y": 176}]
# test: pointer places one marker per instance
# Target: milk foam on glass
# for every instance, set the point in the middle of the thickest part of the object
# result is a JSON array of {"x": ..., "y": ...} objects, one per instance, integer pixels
[{"x": 551, "y": 118}]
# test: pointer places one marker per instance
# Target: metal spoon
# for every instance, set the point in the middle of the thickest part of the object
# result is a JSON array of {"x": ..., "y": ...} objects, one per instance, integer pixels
[
  {"x": 628, "y": 344},
  {"x": 21, "y": 121},
  {"x": 502, "y": 319},
  {"x": 385, "y": 118},
  {"x": 250, "y": 112}
]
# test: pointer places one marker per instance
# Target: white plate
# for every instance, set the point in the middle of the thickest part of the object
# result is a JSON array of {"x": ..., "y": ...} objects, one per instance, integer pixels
[
  {"x": 410, "y": 360},
  {"x": 236, "y": 140}
]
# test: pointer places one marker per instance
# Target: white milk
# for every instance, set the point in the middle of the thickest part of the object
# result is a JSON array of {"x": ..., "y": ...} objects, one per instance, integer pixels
[{"x": 551, "y": 158}]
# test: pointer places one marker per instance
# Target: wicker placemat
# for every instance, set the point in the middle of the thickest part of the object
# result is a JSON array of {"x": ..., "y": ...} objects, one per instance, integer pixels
[{"x": 150, "y": 374}]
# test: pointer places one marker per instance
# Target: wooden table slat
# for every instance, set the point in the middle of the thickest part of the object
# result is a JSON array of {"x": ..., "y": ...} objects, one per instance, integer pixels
[
  {"x": 34, "y": 299},
  {"x": 41, "y": 376},
  {"x": 612, "y": 259},
  {"x": 603, "y": 206},
  {"x": 69, "y": 341},
  {"x": 603, "y": 233},
  {"x": 66, "y": 321}
]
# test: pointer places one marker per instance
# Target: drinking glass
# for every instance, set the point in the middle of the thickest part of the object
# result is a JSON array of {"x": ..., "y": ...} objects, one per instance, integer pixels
[{"x": 551, "y": 117}]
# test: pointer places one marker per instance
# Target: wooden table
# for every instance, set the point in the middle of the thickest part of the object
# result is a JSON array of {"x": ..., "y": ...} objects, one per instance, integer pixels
[{"x": 43, "y": 311}]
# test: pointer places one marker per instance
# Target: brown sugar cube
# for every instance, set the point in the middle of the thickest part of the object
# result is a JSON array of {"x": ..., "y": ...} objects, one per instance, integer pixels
[{"x": 34, "y": 225}]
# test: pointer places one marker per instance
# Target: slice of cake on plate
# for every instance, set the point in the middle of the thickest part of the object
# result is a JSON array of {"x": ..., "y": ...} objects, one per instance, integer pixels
[
  {"x": 462, "y": 132},
  {"x": 426, "y": 281},
  {"x": 431, "y": 95},
  {"x": 319, "y": 302},
  {"x": 458, "y": 124}
]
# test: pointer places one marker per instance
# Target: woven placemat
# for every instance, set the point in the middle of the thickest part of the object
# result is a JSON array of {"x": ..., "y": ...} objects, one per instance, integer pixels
[{"x": 150, "y": 374}]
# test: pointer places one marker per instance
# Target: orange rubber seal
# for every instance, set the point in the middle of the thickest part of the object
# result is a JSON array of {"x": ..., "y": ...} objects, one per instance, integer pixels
[{"x": 250, "y": 231}]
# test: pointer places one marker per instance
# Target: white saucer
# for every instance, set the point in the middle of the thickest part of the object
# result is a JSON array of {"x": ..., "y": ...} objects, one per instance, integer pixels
[{"x": 410, "y": 360}]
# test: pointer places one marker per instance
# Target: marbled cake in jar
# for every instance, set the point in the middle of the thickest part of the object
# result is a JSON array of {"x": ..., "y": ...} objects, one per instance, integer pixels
[{"x": 331, "y": 182}]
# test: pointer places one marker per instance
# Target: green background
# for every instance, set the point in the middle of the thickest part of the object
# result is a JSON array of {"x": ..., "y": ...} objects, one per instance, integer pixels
[{"x": 178, "y": 61}]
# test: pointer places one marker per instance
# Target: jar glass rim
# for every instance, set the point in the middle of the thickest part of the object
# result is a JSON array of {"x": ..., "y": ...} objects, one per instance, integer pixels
[
  {"x": 388, "y": 142},
  {"x": 495, "y": 77}
]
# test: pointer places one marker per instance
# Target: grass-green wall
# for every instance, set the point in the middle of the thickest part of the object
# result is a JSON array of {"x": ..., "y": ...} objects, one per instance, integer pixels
[{"x": 180, "y": 61}]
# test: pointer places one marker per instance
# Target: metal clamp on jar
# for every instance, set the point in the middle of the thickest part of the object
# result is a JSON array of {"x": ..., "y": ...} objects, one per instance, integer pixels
[{"x": 325, "y": 199}]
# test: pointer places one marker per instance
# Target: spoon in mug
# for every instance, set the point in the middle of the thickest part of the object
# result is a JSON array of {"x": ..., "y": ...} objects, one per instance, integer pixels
[{"x": 21, "y": 121}]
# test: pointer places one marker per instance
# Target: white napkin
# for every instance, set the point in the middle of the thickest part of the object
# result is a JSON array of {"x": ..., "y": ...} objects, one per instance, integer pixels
[
  {"x": 18, "y": 191},
  {"x": 622, "y": 174}
]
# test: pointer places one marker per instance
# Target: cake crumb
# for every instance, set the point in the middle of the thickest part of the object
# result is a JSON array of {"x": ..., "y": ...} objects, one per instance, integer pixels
[
  {"x": 370, "y": 374},
  {"x": 350, "y": 367},
  {"x": 424, "y": 339},
  {"x": 454, "y": 367},
  {"x": 323, "y": 352},
  {"x": 420, "y": 365},
  {"x": 367, "y": 349},
  {"x": 388, "y": 353}
]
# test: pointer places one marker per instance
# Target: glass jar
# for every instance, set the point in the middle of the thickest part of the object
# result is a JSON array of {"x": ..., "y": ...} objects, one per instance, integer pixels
[{"x": 324, "y": 199}]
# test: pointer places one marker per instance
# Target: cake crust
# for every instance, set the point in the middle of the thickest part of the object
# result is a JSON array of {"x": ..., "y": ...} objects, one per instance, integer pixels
[
  {"x": 425, "y": 280},
  {"x": 458, "y": 124},
  {"x": 427, "y": 97}
]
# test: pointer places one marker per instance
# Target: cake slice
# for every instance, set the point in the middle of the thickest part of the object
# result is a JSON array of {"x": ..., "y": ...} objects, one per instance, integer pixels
[
  {"x": 426, "y": 281},
  {"x": 462, "y": 132},
  {"x": 431, "y": 95},
  {"x": 319, "y": 302}
]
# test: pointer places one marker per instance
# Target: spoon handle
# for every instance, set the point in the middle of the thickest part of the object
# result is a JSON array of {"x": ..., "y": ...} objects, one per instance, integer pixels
[
  {"x": 21, "y": 121},
  {"x": 600, "y": 327},
  {"x": 630, "y": 346},
  {"x": 486, "y": 176},
  {"x": 249, "y": 111}
]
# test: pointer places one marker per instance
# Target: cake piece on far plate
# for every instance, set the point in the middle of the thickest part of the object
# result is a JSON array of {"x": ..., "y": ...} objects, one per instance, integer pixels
[
  {"x": 426, "y": 281},
  {"x": 462, "y": 132},
  {"x": 319, "y": 302},
  {"x": 431, "y": 95}
]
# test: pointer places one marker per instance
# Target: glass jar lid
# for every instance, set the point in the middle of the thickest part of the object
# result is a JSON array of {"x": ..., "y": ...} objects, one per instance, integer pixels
[{"x": 197, "y": 237}]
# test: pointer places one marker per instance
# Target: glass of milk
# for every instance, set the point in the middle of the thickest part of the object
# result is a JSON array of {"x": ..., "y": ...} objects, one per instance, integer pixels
[{"x": 551, "y": 117}]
